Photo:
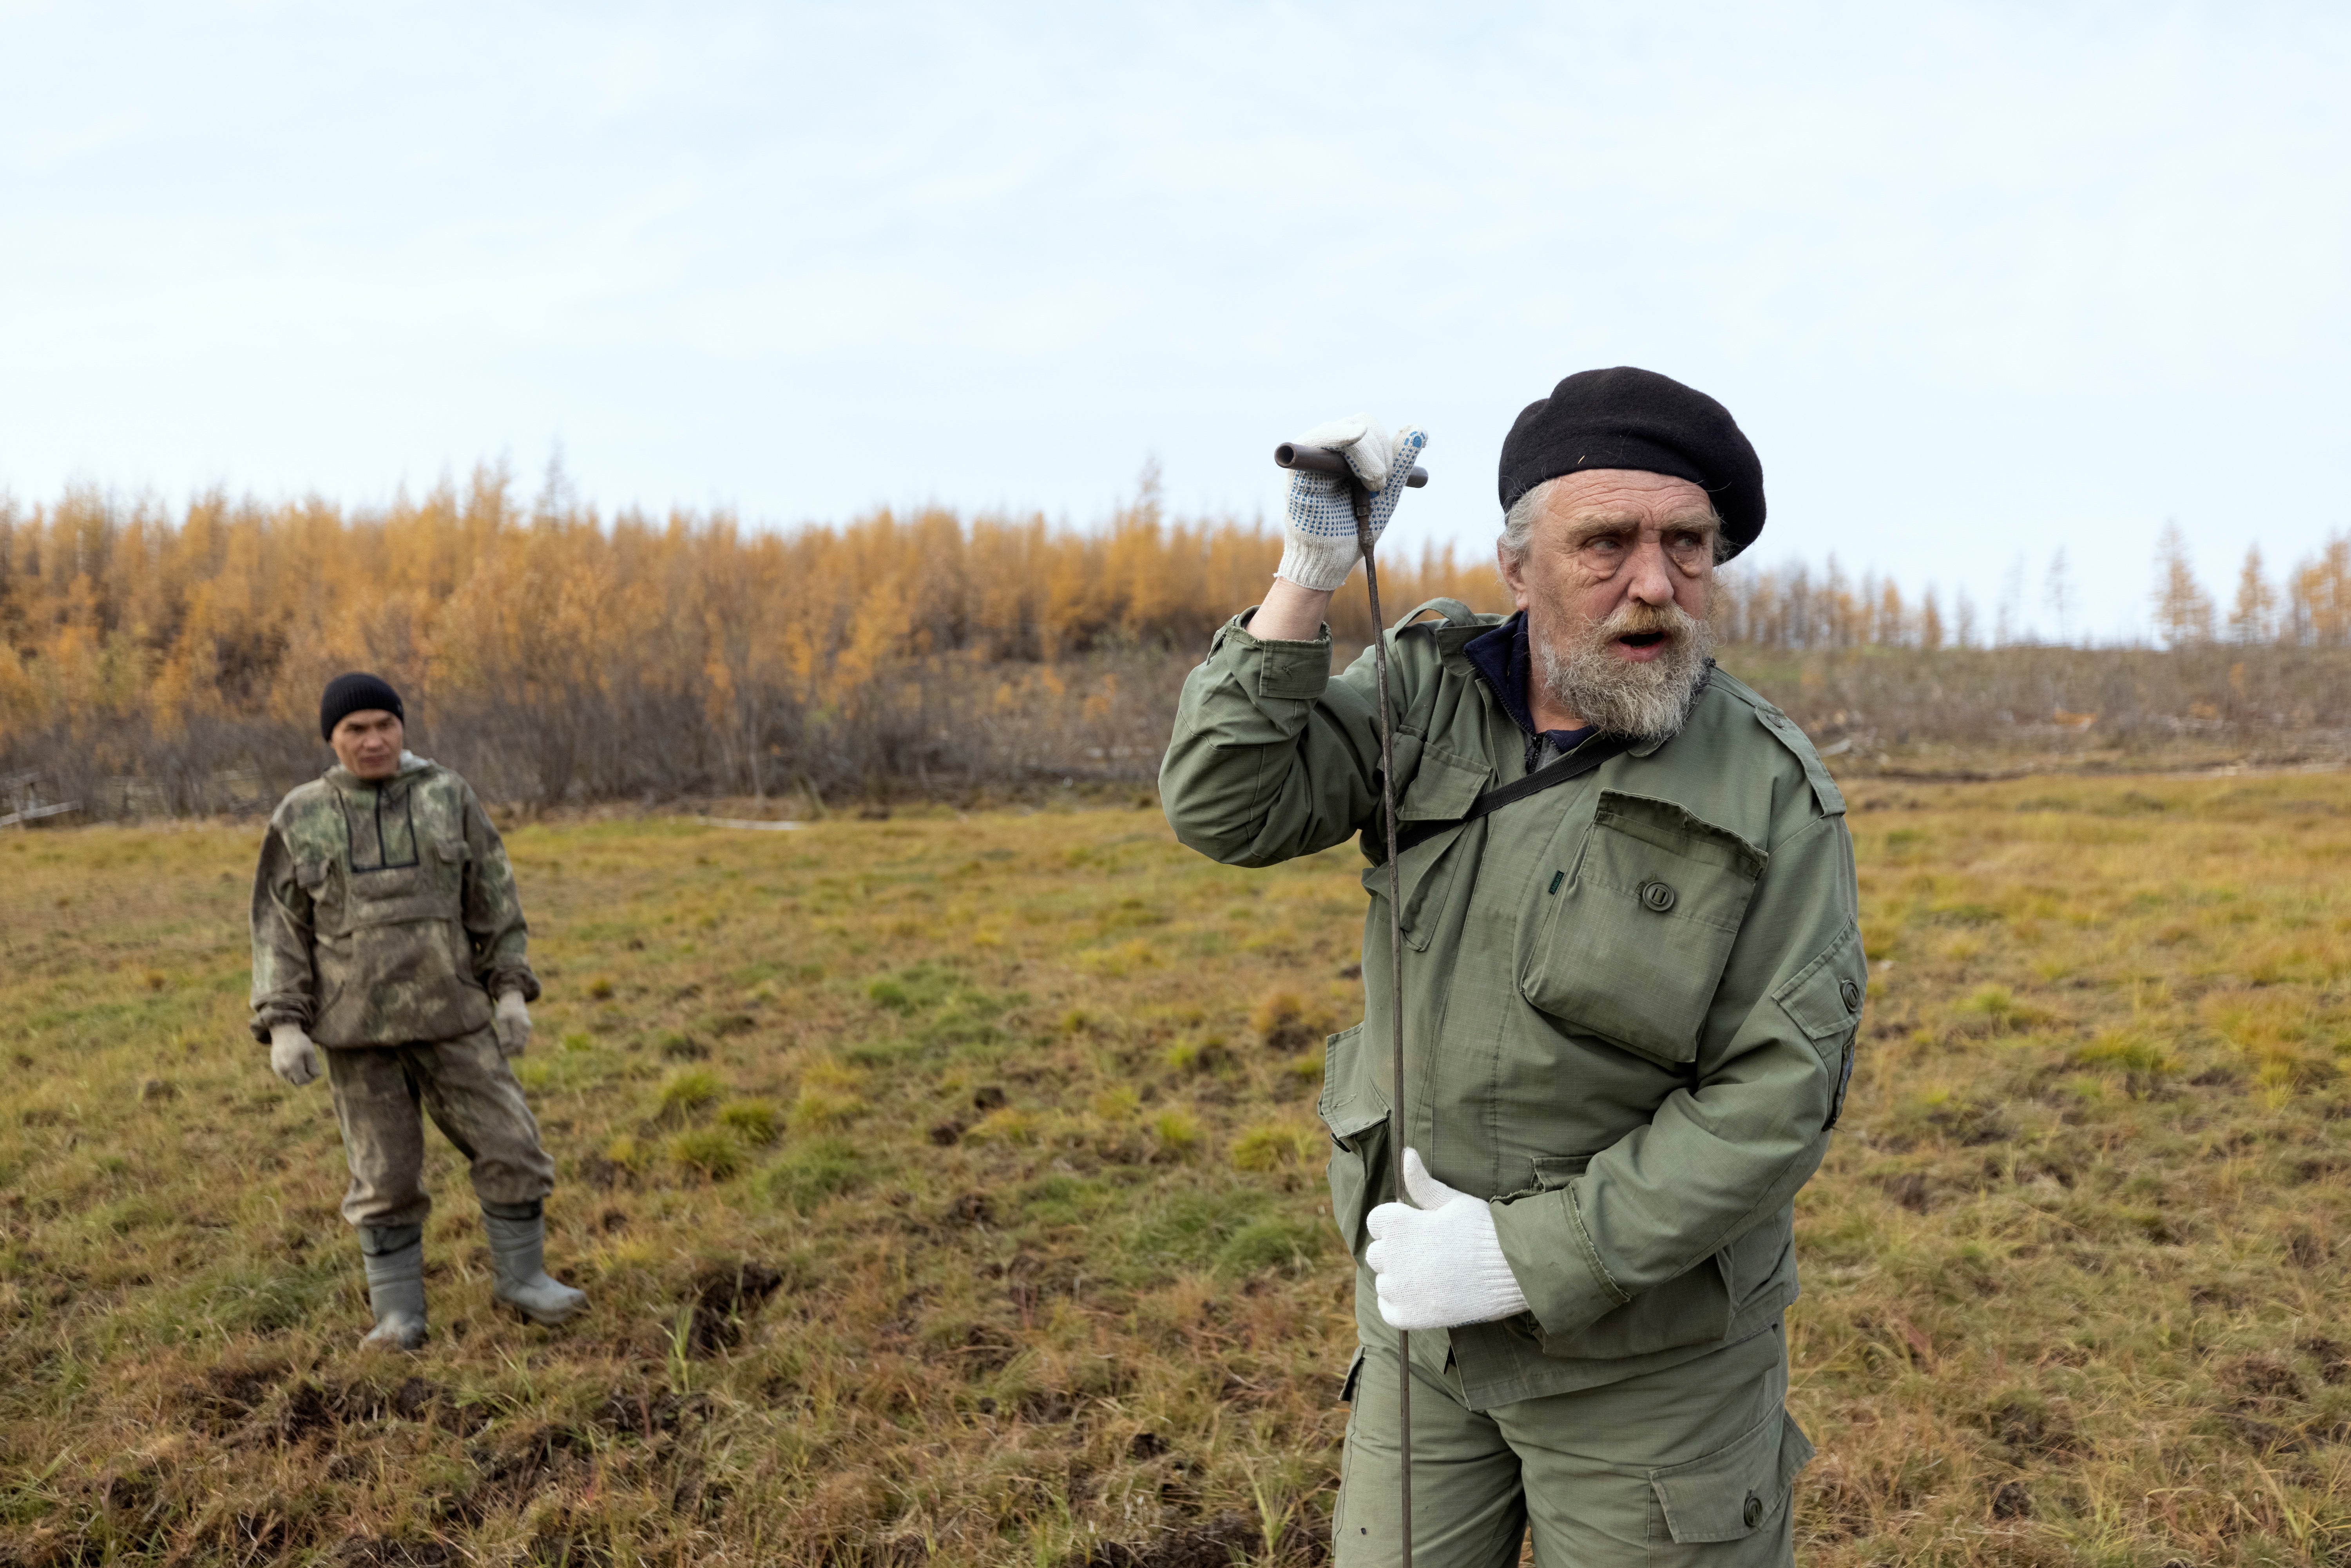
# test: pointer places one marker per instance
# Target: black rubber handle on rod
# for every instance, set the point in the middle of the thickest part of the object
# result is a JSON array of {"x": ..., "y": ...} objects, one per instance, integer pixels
[{"x": 1321, "y": 460}]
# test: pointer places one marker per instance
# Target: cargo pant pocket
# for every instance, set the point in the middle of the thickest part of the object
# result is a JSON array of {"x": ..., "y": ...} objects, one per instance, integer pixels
[{"x": 1734, "y": 1505}]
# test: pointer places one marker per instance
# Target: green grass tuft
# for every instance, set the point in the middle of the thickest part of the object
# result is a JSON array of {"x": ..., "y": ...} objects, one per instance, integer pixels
[
  {"x": 711, "y": 1151},
  {"x": 814, "y": 1171},
  {"x": 1277, "y": 1242},
  {"x": 692, "y": 1090},
  {"x": 755, "y": 1121}
]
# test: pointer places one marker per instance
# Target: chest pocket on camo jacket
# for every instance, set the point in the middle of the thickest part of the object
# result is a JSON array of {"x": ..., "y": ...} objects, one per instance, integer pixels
[
  {"x": 1631, "y": 941},
  {"x": 392, "y": 948}
]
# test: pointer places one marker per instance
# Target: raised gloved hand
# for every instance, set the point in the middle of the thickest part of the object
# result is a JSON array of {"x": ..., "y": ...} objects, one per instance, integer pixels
[
  {"x": 1439, "y": 1265},
  {"x": 512, "y": 1022},
  {"x": 1319, "y": 549},
  {"x": 291, "y": 1055}
]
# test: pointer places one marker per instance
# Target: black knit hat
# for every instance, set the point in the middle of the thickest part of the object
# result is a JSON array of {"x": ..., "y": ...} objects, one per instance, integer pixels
[
  {"x": 1628, "y": 418},
  {"x": 355, "y": 692}
]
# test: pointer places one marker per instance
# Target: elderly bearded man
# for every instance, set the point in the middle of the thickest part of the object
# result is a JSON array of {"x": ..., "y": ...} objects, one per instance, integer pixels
[
  {"x": 384, "y": 920},
  {"x": 1630, "y": 999}
]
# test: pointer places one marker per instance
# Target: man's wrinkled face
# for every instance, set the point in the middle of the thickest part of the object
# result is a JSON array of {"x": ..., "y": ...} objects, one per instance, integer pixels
[
  {"x": 368, "y": 742},
  {"x": 1616, "y": 578}
]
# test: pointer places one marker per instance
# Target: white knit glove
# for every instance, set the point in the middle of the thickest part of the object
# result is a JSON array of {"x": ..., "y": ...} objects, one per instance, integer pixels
[
  {"x": 1439, "y": 1265},
  {"x": 291, "y": 1055},
  {"x": 1318, "y": 549},
  {"x": 512, "y": 1022}
]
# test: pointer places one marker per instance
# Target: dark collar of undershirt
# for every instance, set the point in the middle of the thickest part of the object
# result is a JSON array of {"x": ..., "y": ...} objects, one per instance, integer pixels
[{"x": 1502, "y": 658}]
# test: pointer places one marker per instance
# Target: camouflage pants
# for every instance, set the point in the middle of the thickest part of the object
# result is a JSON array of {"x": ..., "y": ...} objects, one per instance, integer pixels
[
  {"x": 1693, "y": 1465},
  {"x": 470, "y": 1093}
]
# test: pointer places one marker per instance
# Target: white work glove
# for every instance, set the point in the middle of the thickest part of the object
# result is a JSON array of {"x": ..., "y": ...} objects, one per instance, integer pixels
[
  {"x": 291, "y": 1055},
  {"x": 1318, "y": 549},
  {"x": 1439, "y": 1265},
  {"x": 512, "y": 1022}
]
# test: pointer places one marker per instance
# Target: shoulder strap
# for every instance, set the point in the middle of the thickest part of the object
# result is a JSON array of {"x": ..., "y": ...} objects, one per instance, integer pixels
[
  {"x": 1574, "y": 765},
  {"x": 1456, "y": 613}
]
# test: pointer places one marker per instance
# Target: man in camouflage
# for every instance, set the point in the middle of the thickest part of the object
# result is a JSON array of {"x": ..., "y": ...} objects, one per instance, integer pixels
[
  {"x": 384, "y": 920},
  {"x": 1631, "y": 987}
]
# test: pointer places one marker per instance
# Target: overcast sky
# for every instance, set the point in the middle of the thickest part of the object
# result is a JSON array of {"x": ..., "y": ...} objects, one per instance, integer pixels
[{"x": 1981, "y": 281}]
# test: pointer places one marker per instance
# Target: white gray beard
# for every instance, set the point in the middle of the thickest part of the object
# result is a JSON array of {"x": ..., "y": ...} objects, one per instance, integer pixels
[{"x": 1644, "y": 701}]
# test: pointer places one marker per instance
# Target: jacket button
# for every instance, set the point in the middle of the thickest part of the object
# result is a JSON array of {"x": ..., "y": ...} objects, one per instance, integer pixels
[
  {"x": 1852, "y": 994},
  {"x": 1753, "y": 1514},
  {"x": 1657, "y": 896}
]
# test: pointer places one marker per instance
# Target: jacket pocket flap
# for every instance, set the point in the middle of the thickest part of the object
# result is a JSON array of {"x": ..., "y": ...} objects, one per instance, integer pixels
[
  {"x": 1795, "y": 1452},
  {"x": 1824, "y": 999},
  {"x": 1735, "y": 1490},
  {"x": 1442, "y": 788},
  {"x": 453, "y": 850},
  {"x": 1679, "y": 830},
  {"x": 407, "y": 907},
  {"x": 1557, "y": 1170},
  {"x": 1357, "y": 1115},
  {"x": 1346, "y": 1123},
  {"x": 1355, "y": 1376},
  {"x": 1352, "y": 1101}
]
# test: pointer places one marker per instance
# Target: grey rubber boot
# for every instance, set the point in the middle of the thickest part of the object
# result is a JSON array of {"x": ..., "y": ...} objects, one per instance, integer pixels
[
  {"x": 518, "y": 1257},
  {"x": 395, "y": 1276}
]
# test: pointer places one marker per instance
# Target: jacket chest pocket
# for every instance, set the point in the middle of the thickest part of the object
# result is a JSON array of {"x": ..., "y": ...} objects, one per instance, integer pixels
[
  {"x": 1630, "y": 943},
  {"x": 432, "y": 889},
  {"x": 1443, "y": 787}
]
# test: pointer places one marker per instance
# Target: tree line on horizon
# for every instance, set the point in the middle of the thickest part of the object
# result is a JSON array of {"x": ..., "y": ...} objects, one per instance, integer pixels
[
  {"x": 173, "y": 657},
  {"x": 179, "y": 654},
  {"x": 1793, "y": 607}
]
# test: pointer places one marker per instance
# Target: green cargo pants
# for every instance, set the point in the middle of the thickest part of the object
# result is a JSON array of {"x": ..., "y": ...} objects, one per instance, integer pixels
[
  {"x": 1694, "y": 1465},
  {"x": 466, "y": 1087}
]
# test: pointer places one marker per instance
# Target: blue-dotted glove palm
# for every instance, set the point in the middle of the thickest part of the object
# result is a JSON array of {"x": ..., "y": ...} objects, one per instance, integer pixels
[{"x": 1319, "y": 549}]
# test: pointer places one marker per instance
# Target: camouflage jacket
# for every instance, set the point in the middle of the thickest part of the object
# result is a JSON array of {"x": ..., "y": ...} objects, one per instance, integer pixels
[{"x": 384, "y": 913}]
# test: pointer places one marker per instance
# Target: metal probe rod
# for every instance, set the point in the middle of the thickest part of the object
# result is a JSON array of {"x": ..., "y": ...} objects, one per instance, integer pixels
[
  {"x": 1290, "y": 455},
  {"x": 1363, "y": 501}
]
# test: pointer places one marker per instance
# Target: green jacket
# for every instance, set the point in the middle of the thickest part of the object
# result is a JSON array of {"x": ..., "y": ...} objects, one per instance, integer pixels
[
  {"x": 1639, "y": 1080},
  {"x": 384, "y": 913}
]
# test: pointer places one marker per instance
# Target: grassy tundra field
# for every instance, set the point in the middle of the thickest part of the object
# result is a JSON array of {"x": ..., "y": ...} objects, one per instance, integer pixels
[{"x": 951, "y": 1185}]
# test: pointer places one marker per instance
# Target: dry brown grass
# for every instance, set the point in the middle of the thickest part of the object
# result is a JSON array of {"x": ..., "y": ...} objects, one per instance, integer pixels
[
  {"x": 1994, "y": 712},
  {"x": 949, "y": 1185}
]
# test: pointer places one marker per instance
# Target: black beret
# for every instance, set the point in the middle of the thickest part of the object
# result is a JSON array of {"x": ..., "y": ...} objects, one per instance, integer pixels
[
  {"x": 355, "y": 692},
  {"x": 1628, "y": 418}
]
